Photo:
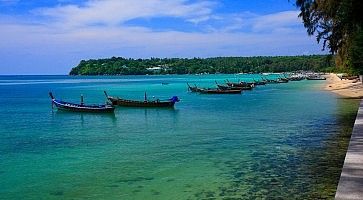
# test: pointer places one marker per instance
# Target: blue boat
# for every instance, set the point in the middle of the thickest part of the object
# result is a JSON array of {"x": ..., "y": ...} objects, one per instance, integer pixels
[{"x": 67, "y": 106}]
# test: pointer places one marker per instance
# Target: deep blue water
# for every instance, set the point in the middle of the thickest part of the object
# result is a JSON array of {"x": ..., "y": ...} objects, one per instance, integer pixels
[{"x": 278, "y": 141}]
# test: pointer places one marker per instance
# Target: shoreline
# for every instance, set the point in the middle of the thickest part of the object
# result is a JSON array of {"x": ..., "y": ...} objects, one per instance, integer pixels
[
  {"x": 348, "y": 89},
  {"x": 351, "y": 178}
]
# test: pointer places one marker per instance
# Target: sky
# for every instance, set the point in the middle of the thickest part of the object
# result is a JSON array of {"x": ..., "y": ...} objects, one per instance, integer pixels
[{"x": 52, "y": 36}]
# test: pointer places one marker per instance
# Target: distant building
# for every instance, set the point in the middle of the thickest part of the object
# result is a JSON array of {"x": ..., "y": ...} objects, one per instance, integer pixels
[
  {"x": 158, "y": 69},
  {"x": 154, "y": 69}
]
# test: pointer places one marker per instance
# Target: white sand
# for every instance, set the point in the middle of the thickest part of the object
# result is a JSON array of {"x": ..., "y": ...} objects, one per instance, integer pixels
[{"x": 345, "y": 88}]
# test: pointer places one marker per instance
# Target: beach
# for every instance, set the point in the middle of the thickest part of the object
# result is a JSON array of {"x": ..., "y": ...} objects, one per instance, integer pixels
[
  {"x": 350, "y": 181},
  {"x": 344, "y": 88}
]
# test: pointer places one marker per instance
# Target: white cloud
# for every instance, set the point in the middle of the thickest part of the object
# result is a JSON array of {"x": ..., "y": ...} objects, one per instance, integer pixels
[
  {"x": 71, "y": 34},
  {"x": 115, "y": 12},
  {"x": 251, "y": 22},
  {"x": 276, "y": 20}
]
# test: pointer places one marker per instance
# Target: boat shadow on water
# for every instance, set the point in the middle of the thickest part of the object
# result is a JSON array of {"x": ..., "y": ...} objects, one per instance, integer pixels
[
  {"x": 151, "y": 114},
  {"x": 150, "y": 110},
  {"x": 82, "y": 116}
]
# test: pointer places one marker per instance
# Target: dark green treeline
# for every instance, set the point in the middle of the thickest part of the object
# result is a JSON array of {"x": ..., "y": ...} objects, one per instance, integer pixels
[
  {"x": 227, "y": 65},
  {"x": 338, "y": 24}
]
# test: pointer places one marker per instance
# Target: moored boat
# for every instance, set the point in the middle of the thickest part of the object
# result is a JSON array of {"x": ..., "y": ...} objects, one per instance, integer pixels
[
  {"x": 193, "y": 88},
  {"x": 315, "y": 77},
  {"x": 219, "y": 91},
  {"x": 273, "y": 81},
  {"x": 296, "y": 78},
  {"x": 239, "y": 86},
  {"x": 67, "y": 106},
  {"x": 259, "y": 82},
  {"x": 228, "y": 87},
  {"x": 145, "y": 103},
  {"x": 282, "y": 80}
]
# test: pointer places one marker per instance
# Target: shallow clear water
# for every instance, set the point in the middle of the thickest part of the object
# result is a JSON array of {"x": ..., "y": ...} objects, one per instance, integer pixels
[{"x": 277, "y": 141}]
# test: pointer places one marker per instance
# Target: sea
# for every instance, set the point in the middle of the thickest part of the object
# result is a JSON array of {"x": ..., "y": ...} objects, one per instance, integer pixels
[{"x": 278, "y": 141}]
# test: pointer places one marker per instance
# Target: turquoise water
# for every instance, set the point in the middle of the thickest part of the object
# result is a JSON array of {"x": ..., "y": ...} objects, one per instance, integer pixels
[{"x": 282, "y": 141}]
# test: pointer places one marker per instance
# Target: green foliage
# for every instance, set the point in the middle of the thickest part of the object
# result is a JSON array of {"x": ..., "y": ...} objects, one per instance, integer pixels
[
  {"x": 356, "y": 52},
  {"x": 338, "y": 23},
  {"x": 228, "y": 65}
]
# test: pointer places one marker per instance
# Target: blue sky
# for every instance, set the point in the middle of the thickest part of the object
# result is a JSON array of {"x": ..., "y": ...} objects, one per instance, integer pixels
[{"x": 52, "y": 36}]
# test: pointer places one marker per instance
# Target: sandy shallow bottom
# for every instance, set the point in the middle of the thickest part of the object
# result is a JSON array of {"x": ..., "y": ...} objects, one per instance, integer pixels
[{"x": 345, "y": 88}]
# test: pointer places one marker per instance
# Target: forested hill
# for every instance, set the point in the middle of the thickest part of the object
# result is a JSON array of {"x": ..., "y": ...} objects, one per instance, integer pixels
[{"x": 125, "y": 66}]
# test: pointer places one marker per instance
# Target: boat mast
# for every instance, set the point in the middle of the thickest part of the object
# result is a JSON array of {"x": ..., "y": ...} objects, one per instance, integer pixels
[{"x": 82, "y": 102}]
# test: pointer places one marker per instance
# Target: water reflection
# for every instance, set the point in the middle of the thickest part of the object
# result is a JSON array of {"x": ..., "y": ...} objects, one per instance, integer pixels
[
  {"x": 83, "y": 118},
  {"x": 151, "y": 113}
]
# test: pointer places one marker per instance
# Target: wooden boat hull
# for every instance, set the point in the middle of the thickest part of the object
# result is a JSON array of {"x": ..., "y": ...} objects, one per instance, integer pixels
[
  {"x": 296, "y": 79},
  {"x": 224, "y": 87},
  {"x": 132, "y": 103},
  {"x": 241, "y": 86},
  {"x": 219, "y": 91},
  {"x": 232, "y": 87},
  {"x": 260, "y": 83},
  {"x": 316, "y": 79},
  {"x": 271, "y": 81},
  {"x": 193, "y": 88},
  {"x": 146, "y": 103},
  {"x": 66, "y": 106}
]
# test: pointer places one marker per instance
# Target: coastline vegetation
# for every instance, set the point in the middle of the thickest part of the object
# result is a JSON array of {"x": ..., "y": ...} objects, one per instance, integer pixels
[
  {"x": 338, "y": 24},
  {"x": 226, "y": 65}
]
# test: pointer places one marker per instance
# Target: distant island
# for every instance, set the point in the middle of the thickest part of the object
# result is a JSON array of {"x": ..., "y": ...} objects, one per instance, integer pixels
[{"x": 226, "y": 65}]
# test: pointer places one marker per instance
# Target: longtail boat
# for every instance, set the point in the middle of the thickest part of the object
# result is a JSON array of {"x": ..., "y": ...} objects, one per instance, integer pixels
[
  {"x": 269, "y": 81},
  {"x": 67, "y": 106},
  {"x": 296, "y": 78},
  {"x": 259, "y": 82},
  {"x": 315, "y": 77},
  {"x": 241, "y": 85},
  {"x": 193, "y": 88},
  {"x": 145, "y": 103},
  {"x": 228, "y": 87},
  {"x": 219, "y": 91},
  {"x": 349, "y": 77},
  {"x": 272, "y": 81},
  {"x": 282, "y": 80}
]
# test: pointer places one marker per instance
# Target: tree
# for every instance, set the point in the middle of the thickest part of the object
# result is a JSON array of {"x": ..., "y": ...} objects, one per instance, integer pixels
[
  {"x": 338, "y": 24},
  {"x": 356, "y": 52}
]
